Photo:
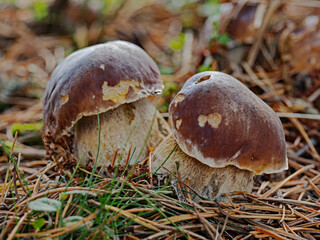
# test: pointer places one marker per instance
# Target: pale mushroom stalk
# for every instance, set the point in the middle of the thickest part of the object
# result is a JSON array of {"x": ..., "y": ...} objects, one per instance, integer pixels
[
  {"x": 203, "y": 180},
  {"x": 225, "y": 136},
  {"x": 120, "y": 128}
]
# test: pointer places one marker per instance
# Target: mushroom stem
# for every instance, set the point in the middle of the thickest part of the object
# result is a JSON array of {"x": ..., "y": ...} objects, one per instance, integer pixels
[
  {"x": 204, "y": 181},
  {"x": 119, "y": 128}
]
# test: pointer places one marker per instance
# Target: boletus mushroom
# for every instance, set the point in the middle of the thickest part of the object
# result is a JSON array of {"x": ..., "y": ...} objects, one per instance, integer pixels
[
  {"x": 223, "y": 135},
  {"x": 113, "y": 79}
]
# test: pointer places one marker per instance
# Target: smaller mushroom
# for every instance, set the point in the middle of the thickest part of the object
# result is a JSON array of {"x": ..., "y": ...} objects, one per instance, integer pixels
[
  {"x": 113, "y": 79},
  {"x": 240, "y": 23},
  {"x": 223, "y": 135}
]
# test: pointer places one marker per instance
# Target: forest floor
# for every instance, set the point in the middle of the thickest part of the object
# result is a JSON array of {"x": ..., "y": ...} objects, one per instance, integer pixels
[{"x": 273, "y": 47}]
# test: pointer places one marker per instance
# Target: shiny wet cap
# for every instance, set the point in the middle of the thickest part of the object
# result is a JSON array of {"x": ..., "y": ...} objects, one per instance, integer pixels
[
  {"x": 101, "y": 77},
  {"x": 219, "y": 121}
]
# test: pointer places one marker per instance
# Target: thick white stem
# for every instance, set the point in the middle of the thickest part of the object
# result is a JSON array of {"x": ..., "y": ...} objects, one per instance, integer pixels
[
  {"x": 128, "y": 124},
  {"x": 206, "y": 181}
]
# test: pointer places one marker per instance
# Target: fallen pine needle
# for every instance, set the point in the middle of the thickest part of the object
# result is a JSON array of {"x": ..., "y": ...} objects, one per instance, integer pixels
[
  {"x": 270, "y": 233},
  {"x": 278, "y": 186}
]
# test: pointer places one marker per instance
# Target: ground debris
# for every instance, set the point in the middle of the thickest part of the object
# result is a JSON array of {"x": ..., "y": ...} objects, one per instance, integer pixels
[{"x": 271, "y": 46}]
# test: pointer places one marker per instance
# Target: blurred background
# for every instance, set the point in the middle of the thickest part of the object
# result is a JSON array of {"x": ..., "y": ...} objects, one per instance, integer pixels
[{"x": 271, "y": 46}]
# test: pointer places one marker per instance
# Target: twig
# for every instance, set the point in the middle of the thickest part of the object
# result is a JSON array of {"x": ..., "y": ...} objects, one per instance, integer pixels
[
  {"x": 18, "y": 225},
  {"x": 314, "y": 187},
  {"x": 208, "y": 226},
  {"x": 278, "y": 186},
  {"x": 273, "y": 5},
  {"x": 298, "y": 115},
  {"x": 302, "y": 131},
  {"x": 114, "y": 158},
  {"x": 270, "y": 233}
]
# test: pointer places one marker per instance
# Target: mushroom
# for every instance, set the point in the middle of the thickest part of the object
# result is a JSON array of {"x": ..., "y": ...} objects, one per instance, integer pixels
[
  {"x": 239, "y": 21},
  {"x": 113, "y": 79},
  {"x": 223, "y": 135}
]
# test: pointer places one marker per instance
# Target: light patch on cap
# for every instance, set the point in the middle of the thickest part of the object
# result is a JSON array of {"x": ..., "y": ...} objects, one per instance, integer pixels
[
  {"x": 178, "y": 123},
  {"x": 204, "y": 78},
  {"x": 214, "y": 120},
  {"x": 179, "y": 98},
  {"x": 102, "y": 66},
  {"x": 118, "y": 92},
  {"x": 64, "y": 98}
]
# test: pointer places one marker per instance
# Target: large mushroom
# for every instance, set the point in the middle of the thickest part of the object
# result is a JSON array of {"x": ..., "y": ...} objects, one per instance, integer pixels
[
  {"x": 113, "y": 79},
  {"x": 223, "y": 135}
]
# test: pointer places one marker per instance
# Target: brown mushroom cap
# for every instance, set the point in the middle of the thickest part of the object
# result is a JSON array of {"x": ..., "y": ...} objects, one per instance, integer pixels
[
  {"x": 102, "y": 76},
  {"x": 220, "y": 122},
  {"x": 242, "y": 28}
]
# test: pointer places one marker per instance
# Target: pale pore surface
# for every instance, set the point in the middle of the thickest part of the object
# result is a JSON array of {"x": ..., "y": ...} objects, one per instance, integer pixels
[
  {"x": 206, "y": 181},
  {"x": 128, "y": 124}
]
